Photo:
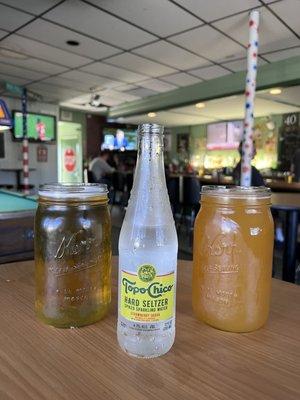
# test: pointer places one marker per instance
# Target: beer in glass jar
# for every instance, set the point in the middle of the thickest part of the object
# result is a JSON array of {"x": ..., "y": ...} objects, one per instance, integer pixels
[{"x": 72, "y": 254}]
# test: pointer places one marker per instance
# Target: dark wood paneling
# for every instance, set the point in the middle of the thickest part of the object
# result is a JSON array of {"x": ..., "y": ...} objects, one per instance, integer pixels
[{"x": 94, "y": 134}]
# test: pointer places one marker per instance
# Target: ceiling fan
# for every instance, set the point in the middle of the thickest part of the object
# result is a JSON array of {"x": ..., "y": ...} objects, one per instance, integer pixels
[{"x": 96, "y": 102}]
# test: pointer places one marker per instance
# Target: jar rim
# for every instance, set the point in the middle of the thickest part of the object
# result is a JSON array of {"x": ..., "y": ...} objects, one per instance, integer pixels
[
  {"x": 237, "y": 191},
  {"x": 73, "y": 190}
]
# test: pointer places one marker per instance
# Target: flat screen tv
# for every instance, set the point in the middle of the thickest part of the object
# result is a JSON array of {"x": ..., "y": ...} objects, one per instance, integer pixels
[
  {"x": 119, "y": 139},
  {"x": 40, "y": 127},
  {"x": 224, "y": 135}
]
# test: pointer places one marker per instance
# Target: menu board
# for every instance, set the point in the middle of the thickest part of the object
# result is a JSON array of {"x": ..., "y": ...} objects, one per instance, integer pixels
[{"x": 289, "y": 140}]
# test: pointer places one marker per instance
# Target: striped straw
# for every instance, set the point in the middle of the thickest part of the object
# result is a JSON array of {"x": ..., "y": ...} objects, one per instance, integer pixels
[
  {"x": 247, "y": 149},
  {"x": 25, "y": 149}
]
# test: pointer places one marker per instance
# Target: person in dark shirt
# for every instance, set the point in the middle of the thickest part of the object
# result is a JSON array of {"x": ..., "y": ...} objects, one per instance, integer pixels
[{"x": 256, "y": 177}]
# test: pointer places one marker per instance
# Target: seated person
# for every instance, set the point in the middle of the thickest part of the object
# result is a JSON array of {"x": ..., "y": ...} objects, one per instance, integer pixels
[
  {"x": 100, "y": 168},
  {"x": 256, "y": 177}
]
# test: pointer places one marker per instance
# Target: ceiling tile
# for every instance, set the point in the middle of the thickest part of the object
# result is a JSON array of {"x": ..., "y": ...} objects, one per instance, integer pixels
[
  {"x": 57, "y": 36},
  {"x": 92, "y": 82},
  {"x": 160, "y": 17},
  {"x": 34, "y": 64},
  {"x": 273, "y": 35},
  {"x": 32, "y": 6},
  {"x": 142, "y": 92},
  {"x": 11, "y": 19},
  {"x": 63, "y": 82},
  {"x": 209, "y": 43},
  {"x": 210, "y": 72},
  {"x": 240, "y": 65},
  {"x": 2, "y": 33},
  {"x": 96, "y": 23},
  {"x": 110, "y": 71},
  {"x": 181, "y": 79},
  {"x": 115, "y": 96},
  {"x": 53, "y": 91},
  {"x": 157, "y": 85},
  {"x": 40, "y": 50},
  {"x": 125, "y": 87},
  {"x": 139, "y": 64},
  {"x": 166, "y": 118},
  {"x": 282, "y": 54},
  {"x": 290, "y": 95},
  {"x": 212, "y": 10},
  {"x": 14, "y": 79},
  {"x": 171, "y": 55},
  {"x": 289, "y": 11},
  {"x": 188, "y": 110},
  {"x": 21, "y": 72}
]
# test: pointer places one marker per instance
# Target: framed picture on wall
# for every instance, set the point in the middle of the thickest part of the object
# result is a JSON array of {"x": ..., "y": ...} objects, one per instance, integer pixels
[{"x": 183, "y": 142}]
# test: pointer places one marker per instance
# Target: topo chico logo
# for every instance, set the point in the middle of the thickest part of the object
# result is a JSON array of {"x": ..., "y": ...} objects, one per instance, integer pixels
[
  {"x": 154, "y": 290},
  {"x": 146, "y": 272}
]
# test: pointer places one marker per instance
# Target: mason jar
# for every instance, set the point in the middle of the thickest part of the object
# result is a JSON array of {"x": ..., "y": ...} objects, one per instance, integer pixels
[
  {"x": 72, "y": 254},
  {"x": 233, "y": 253}
]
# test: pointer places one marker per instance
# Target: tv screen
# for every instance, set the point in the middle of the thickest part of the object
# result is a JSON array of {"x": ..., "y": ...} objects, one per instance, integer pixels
[
  {"x": 40, "y": 127},
  {"x": 119, "y": 139},
  {"x": 224, "y": 135}
]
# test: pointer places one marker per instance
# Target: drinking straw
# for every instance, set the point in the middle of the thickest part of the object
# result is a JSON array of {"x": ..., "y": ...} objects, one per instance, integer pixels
[
  {"x": 25, "y": 145},
  {"x": 247, "y": 148}
]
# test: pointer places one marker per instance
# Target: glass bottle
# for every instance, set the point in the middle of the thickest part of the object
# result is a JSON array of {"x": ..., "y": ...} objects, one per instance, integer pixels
[{"x": 148, "y": 255}]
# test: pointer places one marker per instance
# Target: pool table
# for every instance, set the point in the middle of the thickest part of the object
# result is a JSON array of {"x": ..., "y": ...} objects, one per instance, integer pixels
[{"x": 16, "y": 226}]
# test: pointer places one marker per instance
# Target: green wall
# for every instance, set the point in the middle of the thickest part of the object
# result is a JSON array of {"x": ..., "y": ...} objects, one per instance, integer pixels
[{"x": 77, "y": 117}]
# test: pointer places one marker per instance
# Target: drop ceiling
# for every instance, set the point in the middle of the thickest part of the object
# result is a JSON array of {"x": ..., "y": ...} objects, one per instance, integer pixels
[
  {"x": 227, "y": 108},
  {"x": 132, "y": 49}
]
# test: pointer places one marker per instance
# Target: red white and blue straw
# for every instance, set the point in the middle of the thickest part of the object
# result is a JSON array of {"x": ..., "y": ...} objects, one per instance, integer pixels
[
  {"x": 247, "y": 148},
  {"x": 25, "y": 148}
]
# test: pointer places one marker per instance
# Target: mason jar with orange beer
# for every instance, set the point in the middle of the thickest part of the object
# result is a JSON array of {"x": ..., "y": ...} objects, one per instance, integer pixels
[{"x": 233, "y": 253}]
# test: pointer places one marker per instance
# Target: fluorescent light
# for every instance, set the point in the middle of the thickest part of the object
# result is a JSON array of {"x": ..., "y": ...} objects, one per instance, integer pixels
[
  {"x": 200, "y": 105},
  {"x": 275, "y": 91},
  {"x": 151, "y": 114}
]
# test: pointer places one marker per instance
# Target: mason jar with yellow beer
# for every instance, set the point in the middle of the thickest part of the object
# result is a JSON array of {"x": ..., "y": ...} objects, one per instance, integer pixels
[
  {"x": 72, "y": 254},
  {"x": 233, "y": 253}
]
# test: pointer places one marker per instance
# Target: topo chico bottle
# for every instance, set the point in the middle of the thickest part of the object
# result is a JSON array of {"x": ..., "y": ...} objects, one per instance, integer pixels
[{"x": 148, "y": 256}]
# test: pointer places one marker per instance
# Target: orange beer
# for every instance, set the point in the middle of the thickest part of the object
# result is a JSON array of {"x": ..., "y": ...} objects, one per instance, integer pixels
[{"x": 233, "y": 253}]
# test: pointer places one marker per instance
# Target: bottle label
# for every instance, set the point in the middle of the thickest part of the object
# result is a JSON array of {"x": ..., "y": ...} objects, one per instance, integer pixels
[{"x": 147, "y": 297}]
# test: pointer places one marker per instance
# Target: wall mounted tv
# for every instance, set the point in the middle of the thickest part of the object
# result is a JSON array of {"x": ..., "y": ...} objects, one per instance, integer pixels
[
  {"x": 40, "y": 127},
  {"x": 224, "y": 135},
  {"x": 121, "y": 139}
]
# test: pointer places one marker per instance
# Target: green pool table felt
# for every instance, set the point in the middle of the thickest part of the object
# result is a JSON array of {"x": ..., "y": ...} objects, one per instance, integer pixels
[{"x": 14, "y": 202}]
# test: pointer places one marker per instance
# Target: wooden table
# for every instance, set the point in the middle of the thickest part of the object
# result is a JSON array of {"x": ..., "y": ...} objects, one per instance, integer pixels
[
  {"x": 290, "y": 204},
  {"x": 39, "y": 362}
]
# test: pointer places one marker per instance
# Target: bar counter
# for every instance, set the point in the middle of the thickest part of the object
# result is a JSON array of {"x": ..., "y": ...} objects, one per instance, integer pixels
[
  {"x": 277, "y": 185},
  {"x": 39, "y": 362}
]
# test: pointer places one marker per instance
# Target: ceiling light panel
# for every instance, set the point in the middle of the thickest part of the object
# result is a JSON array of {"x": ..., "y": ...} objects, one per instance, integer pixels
[
  {"x": 98, "y": 24},
  {"x": 210, "y": 43},
  {"x": 11, "y": 19},
  {"x": 160, "y": 17},
  {"x": 57, "y": 36},
  {"x": 171, "y": 55},
  {"x": 40, "y": 50},
  {"x": 140, "y": 64}
]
